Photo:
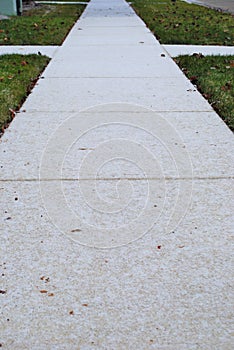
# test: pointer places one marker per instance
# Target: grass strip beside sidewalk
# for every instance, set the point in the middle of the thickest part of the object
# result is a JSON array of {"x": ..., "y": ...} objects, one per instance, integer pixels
[
  {"x": 41, "y": 25},
  {"x": 182, "y": 23},
  {"x": 214, "y": 78},
  {"x": 18, "y": 74}
]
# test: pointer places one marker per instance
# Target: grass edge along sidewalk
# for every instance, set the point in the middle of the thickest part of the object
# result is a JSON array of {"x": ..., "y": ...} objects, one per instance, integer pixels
[
  {"x": 18, "y": 75},
  {"x": 213, "y": 76},
  {"x": 182, "y": 23},
  {"x": 42, "y": 25}
]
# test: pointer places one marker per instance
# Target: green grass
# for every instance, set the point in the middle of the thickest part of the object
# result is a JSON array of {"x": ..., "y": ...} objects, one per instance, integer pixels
[
  {"x": 214, "y": 77},
  {"x": 183, "y": 23},
  {"x": 42, "y": 25},
  {"x": 18, "y": 74}
]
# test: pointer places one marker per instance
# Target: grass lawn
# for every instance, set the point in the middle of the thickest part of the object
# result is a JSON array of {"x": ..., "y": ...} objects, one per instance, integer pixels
[
  {"x": 18, "y": 74},
  {"x": 42, "y": 25},
  {"x": 183, "y": 23},
  {"x": 214, "y": 77}
]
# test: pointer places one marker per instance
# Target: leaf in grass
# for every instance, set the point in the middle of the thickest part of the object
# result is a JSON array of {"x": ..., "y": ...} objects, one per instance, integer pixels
[{"x": 226, "y": 87}]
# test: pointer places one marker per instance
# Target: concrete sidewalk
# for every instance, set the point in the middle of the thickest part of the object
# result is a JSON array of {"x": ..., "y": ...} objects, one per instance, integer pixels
[
  {"x": 115, "y": 192},
  {"x": 27, "y": 50}
]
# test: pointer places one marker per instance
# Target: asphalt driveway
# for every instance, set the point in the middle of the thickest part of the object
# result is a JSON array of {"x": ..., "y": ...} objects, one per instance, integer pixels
[{"x": 227, "y": 5}]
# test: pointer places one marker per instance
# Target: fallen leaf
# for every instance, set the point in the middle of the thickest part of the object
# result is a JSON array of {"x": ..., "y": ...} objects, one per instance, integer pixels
[
  {"x": 43, "y": 291},
  {"x": 13, "y": 113},
  {"x": 198, "y": 55},
  {"x": 2, "y": 291},
  {"x": 24, "y": 63},
  {"x": 227, "y": 86},
  {"x": 84, "y": 304},
  {"x": 193, "y": 79}
]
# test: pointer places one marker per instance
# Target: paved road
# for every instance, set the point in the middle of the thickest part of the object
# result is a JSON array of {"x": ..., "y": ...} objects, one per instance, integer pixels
[
  {"x": 116, "y": 221},
  {"x": 226, "y": 5}
]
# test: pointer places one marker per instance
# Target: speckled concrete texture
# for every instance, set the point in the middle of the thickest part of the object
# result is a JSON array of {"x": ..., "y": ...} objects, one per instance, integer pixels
[
  {"x": 116, "y": 187},
  {"x": 26, "y": 50},
  {"x": 176, "y": 50}
]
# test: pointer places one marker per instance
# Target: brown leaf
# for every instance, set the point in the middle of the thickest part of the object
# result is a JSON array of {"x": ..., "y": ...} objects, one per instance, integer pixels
[
  {"x": 76, "y": 230},
  {"x": 43, "y": 291},
  {"x": 13, "y": 113},
  {"x": 193, "y": 79},
  {"x": 24, "y": 63},
  {"x": 198, "y": 55},
  {"x": 226, "y": 87}
]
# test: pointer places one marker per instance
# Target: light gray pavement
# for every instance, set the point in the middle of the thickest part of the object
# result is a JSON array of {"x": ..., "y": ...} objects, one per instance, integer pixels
[
  {"x": 226, "y": 5},
  {"x": 206, "y": 50},
  {"x": 26, "y": 50},
  {"x": 116, "y": 200},
  {"x": 172, "y": 50}
]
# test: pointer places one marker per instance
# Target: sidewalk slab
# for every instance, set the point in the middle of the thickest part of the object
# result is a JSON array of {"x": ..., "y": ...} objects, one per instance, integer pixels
[
  {"x": 176, "y": 50},
  {"x": 104, "y": 62},
  {"x": 82, "y": 93},
  {"x": 127, "y": 21},
  {"x": 49, "y": 51},
  {"x": 197, "y": 133},
  {"x": 114, "y": 36},
  {"x": 167, "y": 309}
]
